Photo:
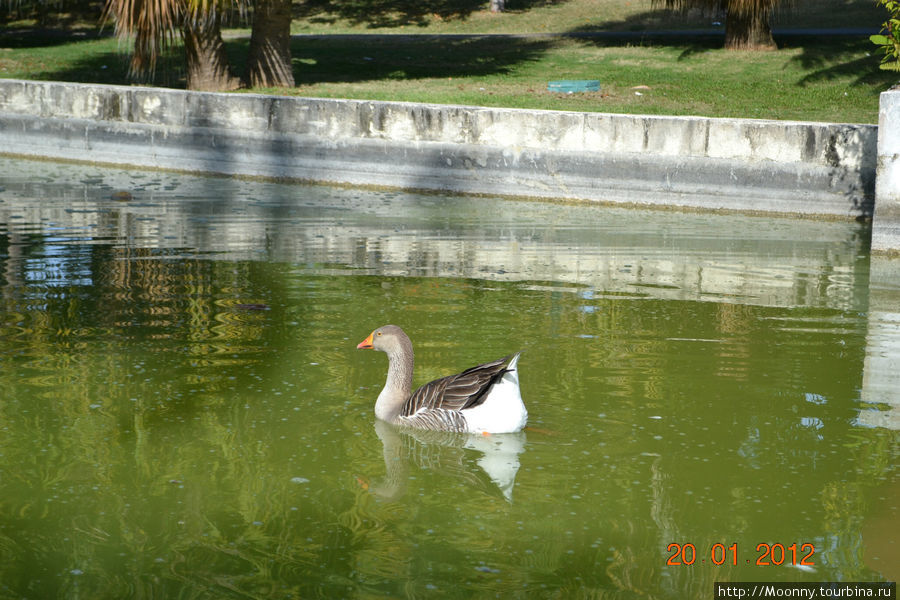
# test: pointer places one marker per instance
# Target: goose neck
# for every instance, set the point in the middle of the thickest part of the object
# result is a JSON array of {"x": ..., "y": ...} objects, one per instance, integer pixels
[{"x": 398, "y": 385}]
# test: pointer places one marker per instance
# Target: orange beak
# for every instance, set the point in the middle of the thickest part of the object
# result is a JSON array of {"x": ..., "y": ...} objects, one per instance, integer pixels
[{"x": 366, "y": 344}]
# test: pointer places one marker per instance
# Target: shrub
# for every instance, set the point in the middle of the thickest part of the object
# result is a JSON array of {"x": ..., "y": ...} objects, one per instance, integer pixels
[{"x": 889, "y": 38}]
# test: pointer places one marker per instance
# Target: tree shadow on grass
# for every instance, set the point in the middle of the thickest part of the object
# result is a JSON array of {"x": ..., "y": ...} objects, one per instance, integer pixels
[
  {"x": 382, "y": 14},
  {"x": 355, "y": 58},
  {"x": 30, "y": 37},
  {"x": 634, "y": 32},
  {"x": 832, "y": 55},
  {"x": 347, "y": 59},
  {"x": 324, "y": 59},
  {"x": 377, "y": 14},
  {"x": 850, "y": 58},
  {"x": 86, "y": 62},
  {"x": 694, "y": 32},
  {"x": 656, "y": 20}
]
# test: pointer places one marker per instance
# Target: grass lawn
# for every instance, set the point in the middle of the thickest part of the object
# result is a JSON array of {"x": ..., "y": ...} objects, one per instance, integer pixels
[
  {"x": 826, "y": 81},
  {"x": 818, "y": 78},
  {"x": 542, "y": 16}
]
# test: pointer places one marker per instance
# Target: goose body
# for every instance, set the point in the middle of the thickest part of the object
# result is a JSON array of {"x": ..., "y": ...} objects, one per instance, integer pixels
[{"x": 482, "y": 399}]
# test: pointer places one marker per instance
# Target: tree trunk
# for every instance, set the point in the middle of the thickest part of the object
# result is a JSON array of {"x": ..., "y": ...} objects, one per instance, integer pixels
[
  {"x": 498, "y": 6},
  {"x": 207, "y": 63},
  {"x": 269, "y": 60},
  {"x": 748, "y": 31}
]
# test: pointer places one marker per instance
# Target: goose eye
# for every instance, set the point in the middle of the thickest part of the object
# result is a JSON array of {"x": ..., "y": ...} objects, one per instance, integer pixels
[{"x": 378, "y": 333}]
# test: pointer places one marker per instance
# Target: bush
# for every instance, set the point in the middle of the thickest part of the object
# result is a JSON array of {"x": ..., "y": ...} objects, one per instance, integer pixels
[{"x": 889, "y": 39}]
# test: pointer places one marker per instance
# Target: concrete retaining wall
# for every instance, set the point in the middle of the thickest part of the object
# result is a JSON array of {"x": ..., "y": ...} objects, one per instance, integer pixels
[
  {"x": 746, "y": 165},
  {"x": 886, "y": 224}
]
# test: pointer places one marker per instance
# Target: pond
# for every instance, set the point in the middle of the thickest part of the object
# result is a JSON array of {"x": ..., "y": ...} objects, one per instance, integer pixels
[{"x": 184, "y": 412}]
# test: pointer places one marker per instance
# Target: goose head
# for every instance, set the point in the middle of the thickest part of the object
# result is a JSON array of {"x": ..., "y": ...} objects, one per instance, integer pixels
[{"x": 390, "y": 339}]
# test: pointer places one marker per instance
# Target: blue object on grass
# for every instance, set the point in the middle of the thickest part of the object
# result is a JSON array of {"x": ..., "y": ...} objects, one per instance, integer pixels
[{"x": 574, "y": 85}]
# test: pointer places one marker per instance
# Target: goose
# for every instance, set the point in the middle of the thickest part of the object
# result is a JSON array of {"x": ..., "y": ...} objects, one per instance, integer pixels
[{"x": 483, "y": 399}]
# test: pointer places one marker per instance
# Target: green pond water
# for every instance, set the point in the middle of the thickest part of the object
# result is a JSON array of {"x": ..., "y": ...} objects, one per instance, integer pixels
[{"x": 184, "y": 413}]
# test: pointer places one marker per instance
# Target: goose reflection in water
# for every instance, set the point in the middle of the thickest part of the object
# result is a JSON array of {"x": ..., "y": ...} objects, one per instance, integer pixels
[{"x": 446, "y": 453}]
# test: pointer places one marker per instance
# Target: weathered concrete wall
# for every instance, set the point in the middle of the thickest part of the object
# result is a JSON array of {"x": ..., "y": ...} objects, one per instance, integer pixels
[
  {"x": 775, "y": 166},
  {"x": 886, "y": 225}
]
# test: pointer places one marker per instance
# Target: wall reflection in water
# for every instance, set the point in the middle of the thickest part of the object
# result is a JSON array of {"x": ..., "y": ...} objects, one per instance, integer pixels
[{"x": 750, "y": 260}]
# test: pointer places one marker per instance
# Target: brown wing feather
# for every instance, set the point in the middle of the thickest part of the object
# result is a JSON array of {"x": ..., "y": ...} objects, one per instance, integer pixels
[{"x": 456, "y": 392}]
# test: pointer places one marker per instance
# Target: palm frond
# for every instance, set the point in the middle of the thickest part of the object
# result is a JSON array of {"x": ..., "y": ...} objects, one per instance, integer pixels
[{"x": 155, "y": 25}]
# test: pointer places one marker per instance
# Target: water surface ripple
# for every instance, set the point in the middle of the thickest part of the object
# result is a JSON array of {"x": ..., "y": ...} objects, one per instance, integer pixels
[{"x": 183, "y": 412}]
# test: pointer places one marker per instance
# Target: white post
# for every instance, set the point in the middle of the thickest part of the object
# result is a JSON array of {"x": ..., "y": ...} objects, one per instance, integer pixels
[
  {"x": 881, "y": 370},
  {"x": 886, "y": 221}
]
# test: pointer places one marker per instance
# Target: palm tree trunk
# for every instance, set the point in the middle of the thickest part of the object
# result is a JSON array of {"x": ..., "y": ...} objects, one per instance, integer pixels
[
  {"x": 269, "y": 60},
  {"x": 748, "y": 30},
  {"x": 207, "y": 63}
]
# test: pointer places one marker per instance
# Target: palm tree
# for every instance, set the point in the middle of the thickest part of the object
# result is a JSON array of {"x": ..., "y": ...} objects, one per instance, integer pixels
[
  {"x": 156, "y": 24},
  {"x": 269, "y": 61},
  {"x": 204, "y": 49},
  {"x": 152, "y": 25},
  {"x": 746, "y": 21}
]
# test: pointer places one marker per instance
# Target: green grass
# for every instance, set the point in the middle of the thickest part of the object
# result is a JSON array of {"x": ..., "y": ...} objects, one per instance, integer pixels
[
  {"x": 830, "y": 81},
  {"x": 542, "y": 16},
  {"x": 810, "y": 78}
]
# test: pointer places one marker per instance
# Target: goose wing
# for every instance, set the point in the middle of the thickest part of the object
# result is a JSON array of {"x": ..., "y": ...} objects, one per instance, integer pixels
[{"x": 455, "y": 393}]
